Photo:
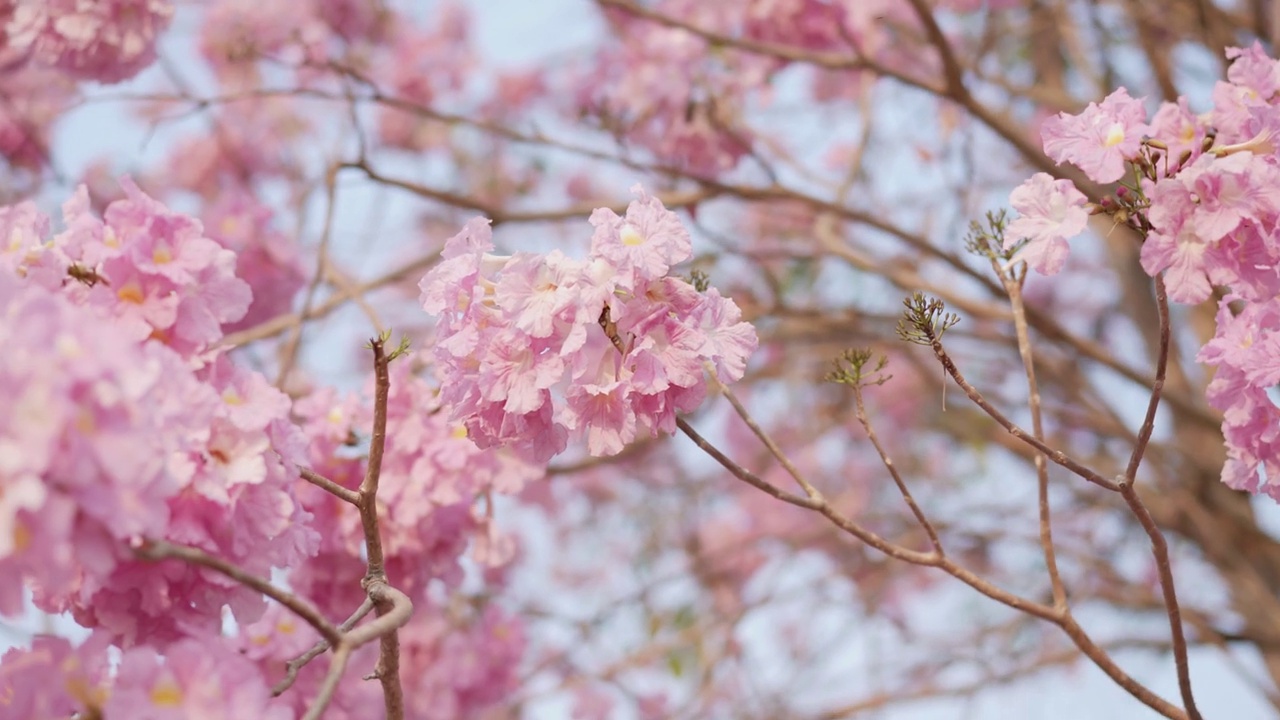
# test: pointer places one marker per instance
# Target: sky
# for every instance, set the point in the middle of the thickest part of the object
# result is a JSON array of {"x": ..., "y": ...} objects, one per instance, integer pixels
[{"x": 514, "y": 32}]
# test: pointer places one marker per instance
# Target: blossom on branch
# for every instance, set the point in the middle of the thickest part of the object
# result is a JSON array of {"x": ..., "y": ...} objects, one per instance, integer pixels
[
  {"x": 1101, "y": 139},
  {"x": 1050, "y": 211},
  {"x": 534, "y": 349},
  {"x": 106, "y": 40}
]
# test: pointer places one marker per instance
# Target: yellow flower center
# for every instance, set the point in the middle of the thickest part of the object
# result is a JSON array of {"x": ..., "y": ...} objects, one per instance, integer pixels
[
  {"x": 130, "y": 292},
  {"x": 631, "y": 237},
  {"x": 21, "y": 537},
  {"x": 166, "y": 693},
  {"x": 1115, "y": 135}
]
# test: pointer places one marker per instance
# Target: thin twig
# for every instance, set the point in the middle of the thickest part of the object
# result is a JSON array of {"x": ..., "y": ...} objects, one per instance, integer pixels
[
  {"x": 763, "y": 436},
  {"x": 162, "y": 550},
  {"x": 394, "y": 610},
  {"x": 337, "y": 666},
  {"x": 393, "y": 607},
  {"x": 742, "y": 473},
  {"x": 329, "y": 486},
  {"x": 1055, "y": 455},
  {"x": 289, "y": 353},
  {"x": 377, "y": 445},
  {"x": 1117, "y": 675},
  {"x": 1159, "y": 546},
  {"x": 1157, "y": 387},
  {"x": 292, "y": 667},
  {"x": 1014, "y": 287},
  {"x": 891, "y": 549},
  {"x": 399, "y": 611},
  {"x": 860, "y": 412},
  {"x": 951, "y": 69}
]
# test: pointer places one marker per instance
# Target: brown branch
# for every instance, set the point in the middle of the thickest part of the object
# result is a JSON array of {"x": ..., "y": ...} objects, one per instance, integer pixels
[
  {"x": 292, "y": 667},
  {"x": 952, "y": 72},
  {"x": 337, "y": 666},
  {"x": 393, "y": 607},
  {"x": 1159, "y": 546},
  {"x": 329, "y": 486},
  {"x": 742, "y": 473},
  {"x": 368, "y": 492},
  {"x": 289, "y": 353},
  {"x": 162, "y": 550},
  {"x": 891, "y": 549},
  {"x": 1014, "y": 287},
  {"x": 1055, "y": 455},
  {"x": 860, "y": 412},
  {"x": 1117, "y": 675},
  {"x": 1157, "y": 387},
  {"x": 394, "y": 610},
  {"x": 399, "y": 611},
  {"x": 763, "y": 436}
]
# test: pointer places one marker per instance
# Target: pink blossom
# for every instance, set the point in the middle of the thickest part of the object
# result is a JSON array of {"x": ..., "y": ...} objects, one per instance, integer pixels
[
  {"x": 23, "y": 229},
  {"x": 461, "y": 666},
  {"x": 1229, "y": 190},
  {"x": 645, "y": 244},
  {"x": 202, "y": 678},
  {"x": 433, "y": 476},
  {"x": 1050, "y": 211},
  {"x": 108, "y": 41},
  {"x": 96, "y": 417},
  {"x": 150, "y": 268},
  {"x": 52, "y": 679},
  {"x": 34, "y": 98},
  {"x": 271, "y": 263},
  {"x": 117, "y": 437},
  {"x": 536, "y": 290},
  {"x": 643, "y": 88},
  {"x": 1207, "y": 224},
  {"x": 1181, "y": 132},
  {"x": 1252, "y": 69},
  {"x": 1246, "y": 351},
  {"x": 524, "y": 358},
  {"x": 1101, "y": 139}
]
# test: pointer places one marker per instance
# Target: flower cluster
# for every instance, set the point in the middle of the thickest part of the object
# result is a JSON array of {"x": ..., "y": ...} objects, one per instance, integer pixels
[
  {"x": 149, "y": 268},
  {"x": 95, "y": 439},
  {"x": 202, "y": 678},
  {"x": 668, "y": 91},
  {"x": 271, "y": 263},
  {"x": 457, "y": 660},
  {"x": 125, "y": 426},
  {"x": 435, "y": 496},
  {"x": 534, "y": 348},
  {"x": 108, "y": 41},
  {"x": 1203, "y": 192}
]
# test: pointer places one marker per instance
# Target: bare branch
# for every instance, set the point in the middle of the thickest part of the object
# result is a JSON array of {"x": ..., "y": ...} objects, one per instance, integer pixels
[{"x": 162, "y": 550}]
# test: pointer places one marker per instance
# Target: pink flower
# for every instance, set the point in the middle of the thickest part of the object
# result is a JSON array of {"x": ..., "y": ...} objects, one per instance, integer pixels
[
  {"x": 201, "y": 678},
  {"x": 52, "y": 679},
  {"x": 1252, "y": 69},
  {"x": 450, "y": 287},
  {"x": 1050, "y": 212},
  {"x": 1246, "y": 351},
  {"x": 106, "y": 40},
  {"x": 1099, "y": 140},
  {"x": 536, "y": 290},
  {"x": 644, "y": 245},
  {"x": 1180, "y": 131},
  {"x": 1207, "y": 227},
  {"x": 462, "y": 666},
  {"x": 523, "y": 356},
  {"x": 270, "y": 262}
]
